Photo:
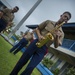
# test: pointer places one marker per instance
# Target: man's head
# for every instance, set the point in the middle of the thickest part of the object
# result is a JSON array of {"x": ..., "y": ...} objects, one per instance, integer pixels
[
  {"x": 15, "y": 9},
  {"x": 66, "y": 16}
]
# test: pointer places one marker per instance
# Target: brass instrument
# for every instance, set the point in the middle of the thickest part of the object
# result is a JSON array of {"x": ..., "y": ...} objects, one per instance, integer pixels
[{"x": 48, "y": 36}]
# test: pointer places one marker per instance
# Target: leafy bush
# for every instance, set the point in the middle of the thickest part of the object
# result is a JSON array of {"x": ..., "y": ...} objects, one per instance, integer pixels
[
  {"x": 56, "y": 71},
  {"x": 71, "y": 71},
  {"x": 47, "y": 62}
]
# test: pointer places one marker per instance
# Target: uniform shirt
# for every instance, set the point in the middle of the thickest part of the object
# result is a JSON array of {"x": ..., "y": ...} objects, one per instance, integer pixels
[
  {"x": 46, "y": 27},
  {"x": 7, "y": 15},
  {"x": 28, "y": 36}
]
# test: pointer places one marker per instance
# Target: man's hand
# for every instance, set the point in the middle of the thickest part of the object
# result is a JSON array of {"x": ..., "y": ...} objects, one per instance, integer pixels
[
  {"x": 40, "y": 37},
  {"x": 10, "y": 24}
]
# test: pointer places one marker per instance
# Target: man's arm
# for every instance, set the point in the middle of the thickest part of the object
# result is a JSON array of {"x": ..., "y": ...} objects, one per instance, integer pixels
[
  {"x": 40, "y": 37},
  {"x": 57, "y": 42},
  {"x": 39, "y": 29},
  {"x": 58, "y": 39},
  {"x": 3, "y": 11}
]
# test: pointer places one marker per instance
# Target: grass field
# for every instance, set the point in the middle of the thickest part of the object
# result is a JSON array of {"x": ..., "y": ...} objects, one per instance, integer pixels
[{"x": 8, "y": 60}]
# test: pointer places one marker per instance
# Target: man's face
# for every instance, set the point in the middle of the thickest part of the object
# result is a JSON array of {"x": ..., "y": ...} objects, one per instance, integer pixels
[
  {"x": 15, "y": 9},
  {"x": 65, "y": 17}
]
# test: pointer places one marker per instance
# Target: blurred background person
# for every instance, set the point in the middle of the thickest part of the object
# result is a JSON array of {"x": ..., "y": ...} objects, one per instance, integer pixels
[{"x": 7, "y": 16}]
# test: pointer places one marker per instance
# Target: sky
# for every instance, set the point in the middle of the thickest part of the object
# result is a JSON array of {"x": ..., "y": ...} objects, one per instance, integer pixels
[{"x": 46, "y": 10}]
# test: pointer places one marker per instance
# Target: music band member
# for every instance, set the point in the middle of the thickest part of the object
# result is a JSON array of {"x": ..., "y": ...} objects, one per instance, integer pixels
[
  {"x": 6, "y": 17},
  {"x": 36, "y": 52},
  {"x": 26, "y": 39}
]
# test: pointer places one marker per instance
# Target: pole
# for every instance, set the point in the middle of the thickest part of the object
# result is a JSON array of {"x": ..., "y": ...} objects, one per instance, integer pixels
[{"x": 24, "y": 18}]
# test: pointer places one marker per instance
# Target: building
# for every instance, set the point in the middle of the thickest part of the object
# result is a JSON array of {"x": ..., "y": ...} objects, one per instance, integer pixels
[{"x": 63, "y": 56}]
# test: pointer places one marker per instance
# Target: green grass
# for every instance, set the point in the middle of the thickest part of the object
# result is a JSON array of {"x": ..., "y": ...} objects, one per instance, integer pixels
[{"x": 8, "y": 60}]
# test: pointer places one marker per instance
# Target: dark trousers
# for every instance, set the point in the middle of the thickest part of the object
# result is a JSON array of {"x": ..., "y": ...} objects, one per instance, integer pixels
[
  {"x": 23, "y": 42},
  {"x": 37, "y": 55},
  {"x": 3, "y": 25}
]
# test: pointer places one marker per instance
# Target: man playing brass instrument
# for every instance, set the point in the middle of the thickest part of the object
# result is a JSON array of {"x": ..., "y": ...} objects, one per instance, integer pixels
[{"x": 38, "y": 53}]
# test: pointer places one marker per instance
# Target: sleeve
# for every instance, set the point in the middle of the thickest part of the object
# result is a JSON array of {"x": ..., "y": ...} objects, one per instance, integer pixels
[
  {"x": 5, "y": 10},
  {"x": 43, "y": 25}
]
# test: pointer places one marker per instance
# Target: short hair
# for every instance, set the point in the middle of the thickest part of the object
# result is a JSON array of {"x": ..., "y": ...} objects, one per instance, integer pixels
[
  {"x": 68, "y": 13},
  {"x": 17, "y": 7}
]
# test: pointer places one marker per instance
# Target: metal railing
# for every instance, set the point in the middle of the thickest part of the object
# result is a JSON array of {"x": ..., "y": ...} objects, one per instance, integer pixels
[{"x": 69, "y": 44}]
